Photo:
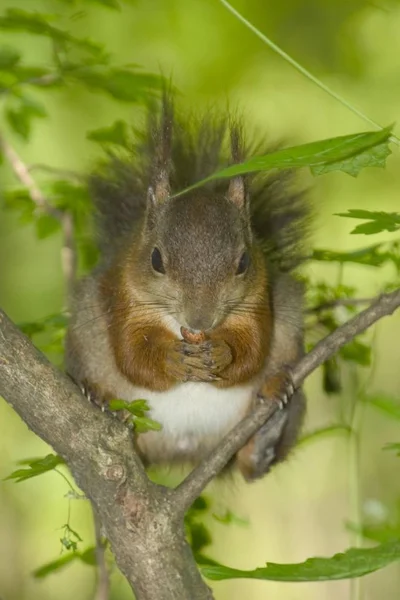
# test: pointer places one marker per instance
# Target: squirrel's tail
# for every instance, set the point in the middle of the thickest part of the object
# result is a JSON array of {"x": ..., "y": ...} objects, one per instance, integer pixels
[{"x": 176, "y": 152}]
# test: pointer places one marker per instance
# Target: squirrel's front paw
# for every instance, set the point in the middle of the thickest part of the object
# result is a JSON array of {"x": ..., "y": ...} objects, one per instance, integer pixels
[{"x": 198, "y": 362}]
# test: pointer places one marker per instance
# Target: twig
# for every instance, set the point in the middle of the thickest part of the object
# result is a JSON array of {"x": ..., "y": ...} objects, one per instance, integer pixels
[
  {"x": 192, "y": 486},
  {"x": 103, "y": 579},
  {"x": 22, "y": 173},
  {"x": 68, "y": 253}
]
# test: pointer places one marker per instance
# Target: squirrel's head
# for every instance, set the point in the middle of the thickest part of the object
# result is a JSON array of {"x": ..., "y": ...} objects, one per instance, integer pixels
[{"x": 198, "y": 256}]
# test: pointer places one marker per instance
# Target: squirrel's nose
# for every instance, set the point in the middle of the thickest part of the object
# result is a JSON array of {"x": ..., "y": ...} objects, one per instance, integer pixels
[{"x": 199, "y": 322}]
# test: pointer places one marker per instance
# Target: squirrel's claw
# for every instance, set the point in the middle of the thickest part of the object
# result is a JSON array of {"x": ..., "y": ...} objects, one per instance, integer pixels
[{"x": 278, "y": 388}]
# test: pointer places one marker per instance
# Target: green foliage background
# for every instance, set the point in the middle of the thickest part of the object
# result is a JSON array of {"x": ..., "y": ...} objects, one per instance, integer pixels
[{"x": 301, "y": 509}]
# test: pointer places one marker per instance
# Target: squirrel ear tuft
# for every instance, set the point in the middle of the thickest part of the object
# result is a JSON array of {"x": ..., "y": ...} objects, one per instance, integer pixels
[
  {"x": 237, "y": 192},
  {"x": 162, "y": 135},
  {"x": 237, "y": 189}
]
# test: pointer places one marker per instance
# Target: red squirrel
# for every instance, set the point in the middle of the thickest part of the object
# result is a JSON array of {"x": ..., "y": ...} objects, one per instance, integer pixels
[{"x": 193, "y": 305}]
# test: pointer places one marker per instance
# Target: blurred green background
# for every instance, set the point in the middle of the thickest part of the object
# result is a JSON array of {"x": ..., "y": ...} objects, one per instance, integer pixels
[{"x": 301, "y": 509}]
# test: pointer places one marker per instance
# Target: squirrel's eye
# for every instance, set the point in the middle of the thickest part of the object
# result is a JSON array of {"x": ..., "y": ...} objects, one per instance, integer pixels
[
  {"x": 156, "y": 261},
  {"x": 244, "y": 263}
]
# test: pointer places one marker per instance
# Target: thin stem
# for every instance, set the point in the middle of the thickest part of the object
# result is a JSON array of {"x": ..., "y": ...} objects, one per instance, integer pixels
[
  {"x": 304, "y": 71},
  {"x": 355, "y": 486},
  {"x": 66, "y": 480}
]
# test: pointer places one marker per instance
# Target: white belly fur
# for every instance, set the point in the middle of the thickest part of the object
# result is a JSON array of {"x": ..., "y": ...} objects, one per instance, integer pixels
[{"x": 192, "y": 411}]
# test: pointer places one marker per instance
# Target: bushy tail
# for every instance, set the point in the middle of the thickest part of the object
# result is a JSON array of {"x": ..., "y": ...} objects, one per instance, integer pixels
[{"x": 189, "y": 148}]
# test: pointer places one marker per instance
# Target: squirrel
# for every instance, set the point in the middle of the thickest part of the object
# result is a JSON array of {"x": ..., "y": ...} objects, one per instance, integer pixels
[{"x": 193, "y": 305}]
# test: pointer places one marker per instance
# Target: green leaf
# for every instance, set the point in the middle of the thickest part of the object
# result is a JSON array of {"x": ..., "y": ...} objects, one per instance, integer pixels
[
  {"x": 357, "y": 352},
  {"x": 386, "y": 404},
  {"x": 200, "y": 536},
  {"x": 324, "y": 432},
  {"x": 55, "y": 565},
  {"x": 37, "y": 466},
  {"x": 118, "y": 404},
  {"x": 349, "y": 153},
  {"x": 229, "y": 518},
  {"x": 126, "y": 85},
  {"x": 355, "y": 562},
  {"x": 374, "y": 156},
  {"x": 364, "y": 256},
  {"x": 16, "y": 19},
  {"x": 138, "y": 407},
  {"x": 143, "y": 424},
  {"x": 46, "y": 225},
  {"x": 9, "y": 57},
  {"x": 88, "y": 557},
  {"x": 377, "y": 221},
  {"x": 20, "y": 118},
  {"x": 117, "y": 134}
]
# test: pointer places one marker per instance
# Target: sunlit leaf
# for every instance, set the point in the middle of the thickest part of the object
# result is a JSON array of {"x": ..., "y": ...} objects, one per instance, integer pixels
[
  {"x": 36, "y": 466},
  {"x": 376, "y": 221},
  {"x": 350, "y": 153},
  {"x": 355, "y": 562}
]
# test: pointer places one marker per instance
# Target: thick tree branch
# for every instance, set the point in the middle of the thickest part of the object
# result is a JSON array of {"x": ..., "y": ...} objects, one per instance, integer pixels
[
  {"x": 192, "y": 486},
  {"x": 138, "y": 517},
  {"x": 142, "y": 521}
]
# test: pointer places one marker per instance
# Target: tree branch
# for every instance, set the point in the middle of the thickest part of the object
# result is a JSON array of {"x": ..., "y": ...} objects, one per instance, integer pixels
[{"x": 192, "y": 486}]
